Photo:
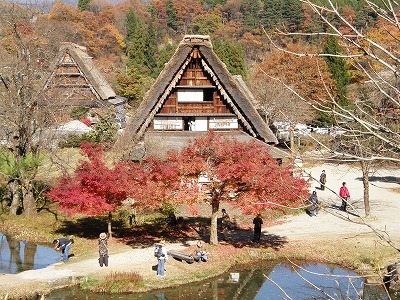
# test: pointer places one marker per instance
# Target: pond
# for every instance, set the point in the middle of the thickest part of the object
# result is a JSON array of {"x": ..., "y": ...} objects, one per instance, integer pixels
[
  {"x": 17, "y": 256},
  {"x": 275, "y": 280}
]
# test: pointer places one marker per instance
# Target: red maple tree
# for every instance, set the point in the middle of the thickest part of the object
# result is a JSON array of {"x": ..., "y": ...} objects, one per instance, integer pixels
[
  {"x": 243, "y": 173},
  {"x": 209, "y": 170},
  {"x": 94, "y": 189}
]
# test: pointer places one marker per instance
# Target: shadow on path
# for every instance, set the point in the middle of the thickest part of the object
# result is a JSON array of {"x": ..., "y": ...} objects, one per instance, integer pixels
[{"x": 384, "y": 179}]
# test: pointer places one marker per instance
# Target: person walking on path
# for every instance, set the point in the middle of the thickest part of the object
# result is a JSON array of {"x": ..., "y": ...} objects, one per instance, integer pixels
[
  {"x": 162, "y": 256},
  {"x": 225, "y": 220},
  {"x": 345, "y": 195},
  {"x": 103, "y": 249},
  {"x": 257, "y": 221},
  {"x": 314, "y": 204},
  {"x": 322, "y": 180},
  {"x": 64, "y": 245}
]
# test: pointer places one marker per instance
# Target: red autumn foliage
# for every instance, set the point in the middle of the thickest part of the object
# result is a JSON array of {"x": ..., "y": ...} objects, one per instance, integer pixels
[
  {"x": 94, "y": 188},
  {"x": 86, "y": 121},
  {"x": 243, "y": 173}
]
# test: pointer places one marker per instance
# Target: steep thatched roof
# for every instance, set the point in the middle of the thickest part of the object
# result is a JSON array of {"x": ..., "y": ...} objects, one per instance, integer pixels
[
  {"x": 232, "y": 88},
  {"x": 155, "y": 142},
  {"x": 99, "y": 86}
]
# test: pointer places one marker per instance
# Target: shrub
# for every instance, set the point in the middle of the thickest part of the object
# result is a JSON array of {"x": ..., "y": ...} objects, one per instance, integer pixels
[{"x": 78, "y": 112}]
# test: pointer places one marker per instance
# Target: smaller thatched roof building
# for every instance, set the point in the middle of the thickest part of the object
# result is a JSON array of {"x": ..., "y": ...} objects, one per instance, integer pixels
[{"x": 74, "y": 80}]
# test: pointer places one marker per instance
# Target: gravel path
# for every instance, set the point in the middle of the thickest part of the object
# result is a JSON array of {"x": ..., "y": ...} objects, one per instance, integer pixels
[{"x": 384, "y": 203}]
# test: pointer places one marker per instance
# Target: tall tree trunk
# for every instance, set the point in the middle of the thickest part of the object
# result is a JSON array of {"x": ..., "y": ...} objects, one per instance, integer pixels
[
  {"x": 13, "y": 188},
  {"x": 365, "y": 166},
  {"x": 28, "y": 200},
  {"x": 109, "y": 224},
  {"x": 214, "y": 224}
]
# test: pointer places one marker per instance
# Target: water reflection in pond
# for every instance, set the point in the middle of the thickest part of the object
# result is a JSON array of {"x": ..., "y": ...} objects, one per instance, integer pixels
[
  {"x": 252, "y": 284},
  {"x": 17, "y": 256}
]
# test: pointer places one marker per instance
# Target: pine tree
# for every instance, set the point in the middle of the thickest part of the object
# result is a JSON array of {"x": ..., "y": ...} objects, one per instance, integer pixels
[
  {"x": 251, "y": 13},
  {"x": 151, "y": 51},
  {"x": 141, "y": 52},
  {"x": 282, "y": 13},
  {"x": 172, "y": 16},
  {"x": 132, "y": 23},
  {"x": 337, "y": 66},
  {"x": 232, "y": 55},
  {"x": 82, "y": 4}
]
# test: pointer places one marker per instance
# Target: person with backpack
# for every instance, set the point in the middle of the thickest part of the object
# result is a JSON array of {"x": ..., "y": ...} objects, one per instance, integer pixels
[
  {"x": 103, "y": 249},
  {"x": 160, "y": 252},
  {"x": 64, "y": 245}
]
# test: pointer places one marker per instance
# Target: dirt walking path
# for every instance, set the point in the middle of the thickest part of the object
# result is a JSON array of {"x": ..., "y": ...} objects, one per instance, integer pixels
[{"x": 331, "y": 223}]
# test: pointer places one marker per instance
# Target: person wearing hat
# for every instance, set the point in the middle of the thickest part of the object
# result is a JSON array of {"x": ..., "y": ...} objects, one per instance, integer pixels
[
  {"x": 103, "y": 249},
  {"x": 162, "y": 258},
  {"x": 64, "y": 245}
]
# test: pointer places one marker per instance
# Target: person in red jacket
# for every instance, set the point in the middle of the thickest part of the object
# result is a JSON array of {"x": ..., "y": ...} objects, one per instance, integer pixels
[{"x": 345, "y": 195}]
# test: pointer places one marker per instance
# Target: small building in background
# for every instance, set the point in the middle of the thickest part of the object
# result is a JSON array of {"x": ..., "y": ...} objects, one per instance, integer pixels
[{"x": 75, "y": 82}]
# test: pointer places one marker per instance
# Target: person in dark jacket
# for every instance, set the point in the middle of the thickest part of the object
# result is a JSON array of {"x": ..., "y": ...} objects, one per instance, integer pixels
[
  {"x": 103, "y": 249},
  {"x": 322, "y": 180},
  {"x": 314, "y": 204},
  {"x": 225, "y": 223},
  {"x": 64, "y": 245},
  {"x": 257, "y": 221}
]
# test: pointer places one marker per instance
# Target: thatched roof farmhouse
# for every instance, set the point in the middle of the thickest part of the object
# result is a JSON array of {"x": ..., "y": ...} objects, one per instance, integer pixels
[{"x": 193, "y": 94}]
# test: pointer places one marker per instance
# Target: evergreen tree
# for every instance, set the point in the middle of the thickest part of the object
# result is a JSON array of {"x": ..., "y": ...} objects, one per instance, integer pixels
[
  {"x": 272, "y": 13},
  {"x": 337, "y": 66},
  {"x": 141, "y": 45},
  {"x": 213, "y": 3},
  {"x": 132, "y": 23},
  {"x": 231, "y": 53},
  {"x": 284, "y": 14},
  {"x": 163, "y": 57},
  {"x": 250, "y": 10},
  {"x": 82, "y": 4},
  {"x": 172, "y": 16},
  {"x": 151, "y": 51},
  {"x": 292, "y": 15}
]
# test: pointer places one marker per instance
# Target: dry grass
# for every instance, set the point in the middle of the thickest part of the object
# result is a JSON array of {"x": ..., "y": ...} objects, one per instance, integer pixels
[{"x": 118, "y": 283}]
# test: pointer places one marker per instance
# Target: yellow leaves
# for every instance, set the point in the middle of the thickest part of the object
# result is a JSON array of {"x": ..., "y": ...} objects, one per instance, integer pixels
[
  {"x": 116, "y": 34},
  {"x": 63, "y": 12}
]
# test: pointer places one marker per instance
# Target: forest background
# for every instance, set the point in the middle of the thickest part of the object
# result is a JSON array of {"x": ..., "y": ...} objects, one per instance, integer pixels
[{"x": 131, "y": 41}]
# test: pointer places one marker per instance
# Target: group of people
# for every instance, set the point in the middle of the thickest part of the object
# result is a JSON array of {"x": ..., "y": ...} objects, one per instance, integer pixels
[
  {"x": 343, "y": 193},
  {"x": 64, "y": 245}
]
